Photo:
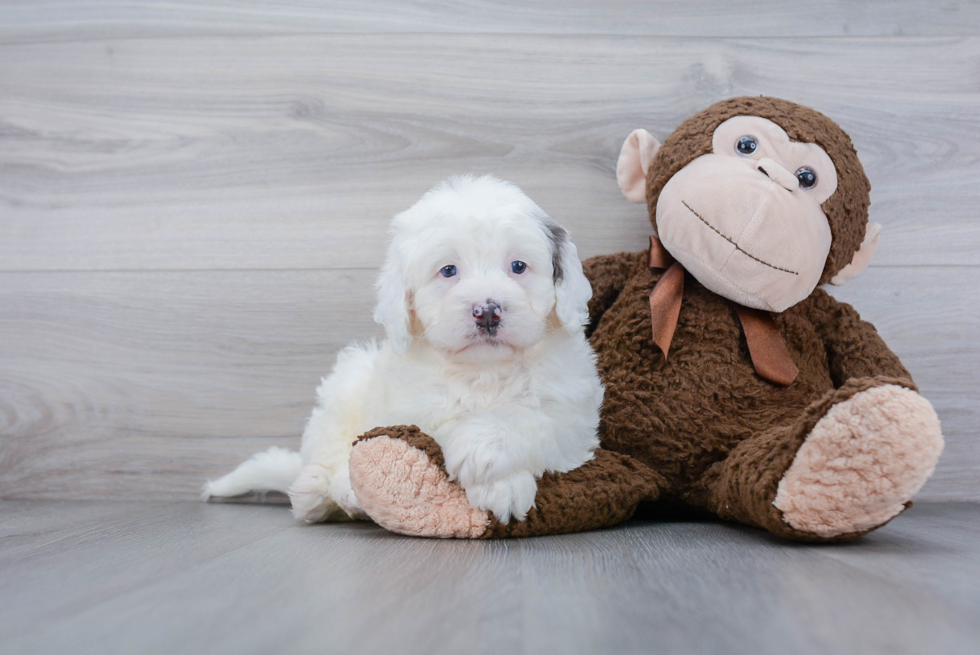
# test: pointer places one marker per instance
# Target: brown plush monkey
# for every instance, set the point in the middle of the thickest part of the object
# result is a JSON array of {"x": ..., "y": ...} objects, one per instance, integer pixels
[{"x": 733, "y": 384}]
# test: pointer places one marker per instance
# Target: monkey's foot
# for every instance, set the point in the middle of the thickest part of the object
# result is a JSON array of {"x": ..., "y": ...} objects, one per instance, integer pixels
[
  {"x": 404, "y": 488},
  {"x": 861, "y": 463}
]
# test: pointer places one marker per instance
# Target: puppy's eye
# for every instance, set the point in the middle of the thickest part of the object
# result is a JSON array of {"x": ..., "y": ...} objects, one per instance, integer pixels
[
  {"x": 448, "y": 271},
  {"x": 807, "y": 178},
  {"x": 518, "y": 267},
  {"x": 746, "y": 145}
]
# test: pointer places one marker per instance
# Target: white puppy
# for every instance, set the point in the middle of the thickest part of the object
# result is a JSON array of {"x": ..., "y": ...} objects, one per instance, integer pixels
[{"x": 484, "y": 303}]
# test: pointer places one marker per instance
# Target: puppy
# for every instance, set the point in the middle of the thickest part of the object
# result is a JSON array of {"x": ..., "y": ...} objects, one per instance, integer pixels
[{"x": 484, "y": 303}]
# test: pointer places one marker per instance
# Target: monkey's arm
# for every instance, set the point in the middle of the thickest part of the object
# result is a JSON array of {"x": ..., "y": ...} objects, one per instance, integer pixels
[
  {"x": 854, "y": 348},
  {"x": 399, "y": 476},
  {"x": 608, "y": 275}
]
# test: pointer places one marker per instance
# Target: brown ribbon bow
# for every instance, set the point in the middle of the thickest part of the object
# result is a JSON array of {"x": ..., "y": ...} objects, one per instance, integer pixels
[{"x": 768, "y": 351}]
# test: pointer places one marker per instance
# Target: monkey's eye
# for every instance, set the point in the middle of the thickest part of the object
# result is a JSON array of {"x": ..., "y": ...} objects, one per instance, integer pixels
[
  {"x": 807, "y": 178},
  {"x": 746, "y": 145},
  {"x": 448, "y": 271},
  {"x": 518, "y": 267}
]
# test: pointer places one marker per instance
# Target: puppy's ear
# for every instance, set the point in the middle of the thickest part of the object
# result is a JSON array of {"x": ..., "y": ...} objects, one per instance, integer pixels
[
  {"x": 572, "y": 288},
  {"x": 392, "y": 310}
]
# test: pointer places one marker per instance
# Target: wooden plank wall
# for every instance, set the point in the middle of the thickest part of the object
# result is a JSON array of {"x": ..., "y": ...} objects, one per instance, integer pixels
[{"x": 193, "y": 198}]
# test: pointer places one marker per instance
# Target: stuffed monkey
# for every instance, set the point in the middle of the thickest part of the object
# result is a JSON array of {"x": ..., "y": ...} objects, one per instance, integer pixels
[{"x": 734, "y": 384}]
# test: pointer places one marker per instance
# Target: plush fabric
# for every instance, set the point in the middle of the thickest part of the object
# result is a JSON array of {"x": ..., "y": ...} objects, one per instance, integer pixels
[
  {"x": 847, "y": 209},
  {"x": 398, "y": 475},
  {"x": 632, "y": 178},
  {"x": 827, "y": 489},
  {"x": 836, "y": 453}
]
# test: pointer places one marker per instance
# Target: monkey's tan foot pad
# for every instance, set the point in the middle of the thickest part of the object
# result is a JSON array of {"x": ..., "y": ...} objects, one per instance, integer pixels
[
  {"x": 861, "y": 463},
  {"x": 404, "y": 491}
]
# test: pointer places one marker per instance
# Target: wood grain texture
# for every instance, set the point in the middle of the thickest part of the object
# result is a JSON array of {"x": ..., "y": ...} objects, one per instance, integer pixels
[
  {"x": 143, "y": 384},
  {"x": 194, "y": 198},
  {"x": 57, "y": 20},
  {"x": 192, "y": 578},
  {"x": 294, "y": 152}
]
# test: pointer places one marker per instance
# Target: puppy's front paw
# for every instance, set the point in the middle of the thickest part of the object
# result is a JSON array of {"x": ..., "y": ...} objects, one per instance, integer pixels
[{"x": 510, "y": 496}]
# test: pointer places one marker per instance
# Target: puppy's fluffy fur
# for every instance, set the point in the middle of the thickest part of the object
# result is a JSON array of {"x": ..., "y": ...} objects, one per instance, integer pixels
[{"x": 506, "y": 401}]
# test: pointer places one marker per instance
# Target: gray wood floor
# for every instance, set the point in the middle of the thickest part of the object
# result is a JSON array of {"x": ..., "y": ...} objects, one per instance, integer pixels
[{"x": 177, "y": 577}]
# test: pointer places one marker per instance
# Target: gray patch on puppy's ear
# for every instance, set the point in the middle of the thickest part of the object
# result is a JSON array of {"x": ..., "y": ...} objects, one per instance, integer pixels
[
  {"x": 559, "y": 237},
  {"x": 572, "y": 288}
]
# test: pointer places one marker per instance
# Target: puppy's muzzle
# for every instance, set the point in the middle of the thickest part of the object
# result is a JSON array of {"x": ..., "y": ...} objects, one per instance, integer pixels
[{"x": 487, "y": 316}]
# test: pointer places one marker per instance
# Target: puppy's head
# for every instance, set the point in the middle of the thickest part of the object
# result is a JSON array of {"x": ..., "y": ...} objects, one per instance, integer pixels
[{"x": 479, "y": 271}]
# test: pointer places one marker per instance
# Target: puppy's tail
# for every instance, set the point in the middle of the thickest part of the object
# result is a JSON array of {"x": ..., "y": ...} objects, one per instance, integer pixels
[{"x": 270, "y": 470}]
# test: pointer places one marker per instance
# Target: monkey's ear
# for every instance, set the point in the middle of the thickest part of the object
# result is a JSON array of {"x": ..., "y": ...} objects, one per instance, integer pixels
[
  {"x": 861, "y": 257},
  {"x": 634, "y": 161}
]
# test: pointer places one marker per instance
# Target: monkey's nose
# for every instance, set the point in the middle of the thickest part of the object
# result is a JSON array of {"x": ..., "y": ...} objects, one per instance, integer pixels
[
  {"x": 778, "y": 174},
  {"x": 487, "y": 316}
]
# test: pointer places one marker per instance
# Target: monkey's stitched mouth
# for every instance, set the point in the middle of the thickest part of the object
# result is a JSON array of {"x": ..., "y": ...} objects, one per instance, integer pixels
[{"x": 732, "y": 241}]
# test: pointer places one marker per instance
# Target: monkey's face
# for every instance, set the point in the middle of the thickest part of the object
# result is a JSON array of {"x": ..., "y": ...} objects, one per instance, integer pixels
[{"x": 746, "y": 219}]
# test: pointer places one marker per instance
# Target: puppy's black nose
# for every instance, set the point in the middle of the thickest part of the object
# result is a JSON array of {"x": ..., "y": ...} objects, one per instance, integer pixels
[{"x": 487, "y": 316}]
